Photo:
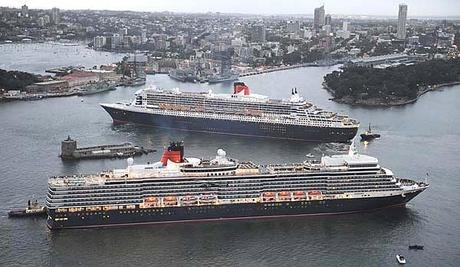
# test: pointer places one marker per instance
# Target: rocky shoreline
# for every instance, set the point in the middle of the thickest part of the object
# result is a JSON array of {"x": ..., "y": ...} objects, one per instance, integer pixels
[{"x": 389, "y": 101}]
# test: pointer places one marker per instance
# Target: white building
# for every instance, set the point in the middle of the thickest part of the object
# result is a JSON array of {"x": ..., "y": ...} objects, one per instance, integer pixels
[
  {"x": 99, "y": 42},
  {"x": 345, "y": 25}
]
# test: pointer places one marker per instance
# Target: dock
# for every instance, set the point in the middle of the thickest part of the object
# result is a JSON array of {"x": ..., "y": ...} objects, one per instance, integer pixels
[{"x": 70, "y": 151}]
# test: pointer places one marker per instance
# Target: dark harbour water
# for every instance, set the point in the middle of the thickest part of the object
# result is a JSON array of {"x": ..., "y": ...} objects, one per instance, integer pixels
[{"x": 416, "y": 139}]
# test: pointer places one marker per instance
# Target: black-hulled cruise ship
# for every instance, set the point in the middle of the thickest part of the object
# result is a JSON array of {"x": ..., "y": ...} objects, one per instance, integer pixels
[
  {"x": 240, "y": 113},
  {"x": 179, "y": 189}
]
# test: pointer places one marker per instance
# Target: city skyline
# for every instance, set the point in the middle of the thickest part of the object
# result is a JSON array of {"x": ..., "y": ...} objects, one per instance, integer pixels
[{"x": 446, "y": 8}]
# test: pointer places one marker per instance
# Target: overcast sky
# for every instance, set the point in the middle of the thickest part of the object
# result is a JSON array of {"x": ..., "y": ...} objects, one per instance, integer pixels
[{"x": 304, "y": 7}]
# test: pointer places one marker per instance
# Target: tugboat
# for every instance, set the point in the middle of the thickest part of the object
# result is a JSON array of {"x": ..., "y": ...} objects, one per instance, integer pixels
[
  {"x": 369, "y": 135},
  {"x": 33, "y": 210},
  {"x": 416, "y": 247},
  {"x": 401, "y": 259}
]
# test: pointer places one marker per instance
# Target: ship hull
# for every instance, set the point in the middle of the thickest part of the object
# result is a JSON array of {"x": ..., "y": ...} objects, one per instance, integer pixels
[
  {"x": 258, "y": 129},
  {"x": 245, "y": 211}
]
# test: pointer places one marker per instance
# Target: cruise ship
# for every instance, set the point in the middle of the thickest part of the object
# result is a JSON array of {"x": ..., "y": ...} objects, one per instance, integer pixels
[
  {"x": 240, "y": 113},
  {"x": 186, "y": 189}
]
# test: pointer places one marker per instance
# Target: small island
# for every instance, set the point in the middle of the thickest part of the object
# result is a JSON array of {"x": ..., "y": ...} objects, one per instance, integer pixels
[{"x": 391, "y": 86}]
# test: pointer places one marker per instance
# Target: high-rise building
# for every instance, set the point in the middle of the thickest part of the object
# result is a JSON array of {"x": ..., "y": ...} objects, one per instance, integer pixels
[
  {"x": 55, "y": 15},
  {"x": 402, "y": 17},
  {"x": 258, "y": 33},
  {"x": 328, "y": 19},
  {"x": 25, "y": 11},
  {"x": 345, "y": 25},
  {"x": 318, "y": 20},
  {"x": 116, "y": 41},
  {"x": 143, "y": 36},
  {"x": 293, "y": 26},
  {"x": 99, "y": 42}
]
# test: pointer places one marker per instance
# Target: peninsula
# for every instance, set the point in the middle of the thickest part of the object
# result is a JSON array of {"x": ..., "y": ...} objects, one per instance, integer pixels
[{"x": 391, "y": 86}]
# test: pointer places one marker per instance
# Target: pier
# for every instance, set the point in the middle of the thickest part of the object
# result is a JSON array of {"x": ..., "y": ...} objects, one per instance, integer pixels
[{"x": 290, "y": 67}]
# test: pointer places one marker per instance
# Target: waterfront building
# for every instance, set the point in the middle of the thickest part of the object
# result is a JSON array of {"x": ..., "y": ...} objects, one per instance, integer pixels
[
  {"x": 385, "y": 60},
  {"x": 402, "y": 17},
  {"x": 47, "y": 86},
  {"x": 116, "y": 40},
  {"x": 99, "y": 42},
  {"x": 78, "y": 77}
]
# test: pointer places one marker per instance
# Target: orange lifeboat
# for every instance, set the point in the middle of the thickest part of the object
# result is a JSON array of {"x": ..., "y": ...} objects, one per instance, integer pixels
[
  {"x": 299, "y": 195},
  {"x": 208, "y": 199},
  {"x": 268, "y": 196},
  {"x": 283, "y": 196},
  {"x": 150, "y": 201},
  {"x": 315, "y": 195},
  {"x": 170, "y": 201}
]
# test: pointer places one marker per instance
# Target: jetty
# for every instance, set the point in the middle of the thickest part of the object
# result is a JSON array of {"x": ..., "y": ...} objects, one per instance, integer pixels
[{"x": 70, "y": 151}]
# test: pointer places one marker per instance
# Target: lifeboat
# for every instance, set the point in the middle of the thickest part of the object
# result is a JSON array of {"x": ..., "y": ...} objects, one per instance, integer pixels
[
  {"x": 170, "y": 201},
  {"x": 208, "y": 199},
  {"x": 150, "y": 201},
  {"x": 299, "y": 195},
  {"x": 268, "y": 196},
  {"x": 283, "y": 196},
  {"x": 189, "y": 200},
  {"x": 315, "y": 195}
]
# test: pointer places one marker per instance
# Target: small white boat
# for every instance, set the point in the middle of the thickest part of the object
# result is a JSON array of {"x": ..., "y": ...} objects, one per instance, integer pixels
[
  {"x": 401, "y": 259},
  {"x": 310, "y": 155}
]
